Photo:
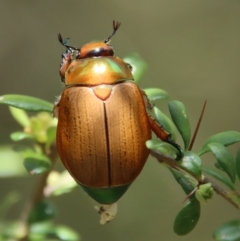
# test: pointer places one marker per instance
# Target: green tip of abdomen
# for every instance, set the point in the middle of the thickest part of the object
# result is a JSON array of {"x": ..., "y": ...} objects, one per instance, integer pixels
[{"x": 106, "y": 195}]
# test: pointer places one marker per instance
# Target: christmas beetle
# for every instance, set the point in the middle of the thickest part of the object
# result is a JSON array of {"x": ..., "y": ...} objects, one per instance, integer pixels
[{"x": 102, "y": 120}]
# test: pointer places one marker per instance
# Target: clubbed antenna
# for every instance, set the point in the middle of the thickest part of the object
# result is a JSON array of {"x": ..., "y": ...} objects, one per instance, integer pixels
[
  {"x": 64, "y": 42},
  {"x": 116, "y": 26}
]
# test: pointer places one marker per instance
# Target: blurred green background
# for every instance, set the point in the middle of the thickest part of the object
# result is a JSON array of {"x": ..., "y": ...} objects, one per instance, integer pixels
[{"x": 193, "y": 51}]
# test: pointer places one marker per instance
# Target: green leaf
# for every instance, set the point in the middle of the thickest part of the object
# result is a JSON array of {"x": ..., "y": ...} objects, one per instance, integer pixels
[
  {"x": 20, "y": 116},
  {"x": 187, "y": 218},
  {"x": 11, "y": 162},
  {"x": 37, "y": 163},
  {"x": 156, "y": 93},
  {"x": 43, "y": 211},
  {"x": 163, "y": 147},
  {"x": 238, "y": 163},
  {"x": 39, "y": 125},
  {"x": 153, "y": 144},
  {"x": 66, "y": 234},
  {"x": 193, "y": 163},
  {"x": 185, "y": 181},
  {"x": 180, "y": 119},
  {"x": 58, "y": 184},
  {"x": 38, "y": 231},
  {"x": 51, "y": 136},
  {"x": 217, "y": 165},
  {"x": 224, "y": 158},
  {"x": 139, "y": 66},
  {"x": 26, "y": 103},
  {"x": 219, "y": 177},
  {"x": 228, "y": 231},
  {"x": 19, "y": 136},
  {"x": 225, "y": 138},
  {"x": 165, "y": 122}
]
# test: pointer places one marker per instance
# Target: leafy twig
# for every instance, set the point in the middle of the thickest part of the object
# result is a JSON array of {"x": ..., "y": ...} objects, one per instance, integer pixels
[
  {"x": 204, "y": 180},
  {"x": 38, "y": 194}
]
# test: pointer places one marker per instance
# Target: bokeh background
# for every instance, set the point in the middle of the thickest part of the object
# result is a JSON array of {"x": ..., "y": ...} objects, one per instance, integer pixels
[{"x": 193, "y": 51}]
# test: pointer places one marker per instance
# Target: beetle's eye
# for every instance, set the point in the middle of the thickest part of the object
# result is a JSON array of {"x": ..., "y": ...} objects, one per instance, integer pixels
[{"x": 129, "y": 66}]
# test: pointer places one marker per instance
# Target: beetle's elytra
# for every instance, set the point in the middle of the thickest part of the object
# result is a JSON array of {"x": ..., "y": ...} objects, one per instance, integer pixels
[{"x": 102, "y": 121}]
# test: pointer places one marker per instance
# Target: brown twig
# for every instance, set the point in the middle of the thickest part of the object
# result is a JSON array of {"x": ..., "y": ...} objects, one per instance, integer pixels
[
  {"x": 38, "y": 194},
  {"x": 172, "y": 163},
  {"x": 204, "y": 180},
  {"x": 219, "y": 191}
]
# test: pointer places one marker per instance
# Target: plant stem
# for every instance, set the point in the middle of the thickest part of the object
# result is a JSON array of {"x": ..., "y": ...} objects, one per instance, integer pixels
[
  {"x": 219, "y": 191},
  {"x": 204, "y": 180},
  {"x": 38, "y": 194}
]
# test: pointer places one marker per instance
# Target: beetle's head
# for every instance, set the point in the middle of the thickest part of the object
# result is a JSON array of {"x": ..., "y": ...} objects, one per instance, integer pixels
[{"x": 95, "y": 49}]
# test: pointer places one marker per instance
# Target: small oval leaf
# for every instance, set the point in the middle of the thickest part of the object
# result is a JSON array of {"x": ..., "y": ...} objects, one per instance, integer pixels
[
  {"x": 228, "y": 231},
  {"x": 20, "y": 116},
  {"x": 187, "y": 218},
  {"x": 38, "y": 231},
  {"x": 152, "y": 144},
  {"x": 193, "y": 163},
  {"x": 163, "y": 147},
  {"x": 185, "y": 181},
  {"x": 224, "y": 158},
  {"x": 156, "y": 93},
  {"x": 36, "y": 163},
  {"x": 58, "y": 184},
  {"x": 26, "y": 103},
  {"x": 66, "y": 234},
  {"x": 19, "y": 136},
  {"x": 139, "y": 66},
  {"x": 180, "y": 119},
  {"x": 11, "y": 162},
  {"x": 225, "y": 138}
]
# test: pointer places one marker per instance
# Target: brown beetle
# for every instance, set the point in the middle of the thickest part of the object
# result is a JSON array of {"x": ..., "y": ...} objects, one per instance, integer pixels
[{"x": 102, "y": 121}]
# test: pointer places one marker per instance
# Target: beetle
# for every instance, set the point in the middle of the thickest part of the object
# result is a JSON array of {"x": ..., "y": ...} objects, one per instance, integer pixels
[{"x": 103, "y": 123}]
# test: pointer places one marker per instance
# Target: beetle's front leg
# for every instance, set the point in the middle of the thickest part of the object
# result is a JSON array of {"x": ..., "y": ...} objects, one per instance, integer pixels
[
  {"x": 66, "y": 61},
  {"x": 164, "y": 136},
  {"x": 158, "y": 129}
]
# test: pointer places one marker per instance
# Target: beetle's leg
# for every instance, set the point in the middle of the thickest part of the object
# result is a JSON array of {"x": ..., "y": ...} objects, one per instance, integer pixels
[
  {"x": 147, "y": 102},
  {"x": 66, "y": 61},
  {"x": 158, "y": 129},
  {"x": 164, "y": 136}
]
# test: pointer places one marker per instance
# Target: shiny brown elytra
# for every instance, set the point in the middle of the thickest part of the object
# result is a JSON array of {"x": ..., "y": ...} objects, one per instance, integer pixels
[
  {"x": 103, "y": 124},
  {"x": 106, "y": 144}
]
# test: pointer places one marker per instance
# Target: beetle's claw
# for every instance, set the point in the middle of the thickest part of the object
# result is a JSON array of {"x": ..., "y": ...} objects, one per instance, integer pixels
[{"x": 180, "y": 154}]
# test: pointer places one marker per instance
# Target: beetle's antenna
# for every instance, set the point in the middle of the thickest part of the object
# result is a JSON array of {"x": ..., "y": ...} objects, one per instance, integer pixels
[
  {"x": 64, "y": 42},
  {"x": 116, "y": 26}
]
